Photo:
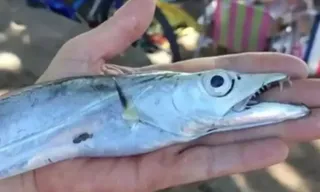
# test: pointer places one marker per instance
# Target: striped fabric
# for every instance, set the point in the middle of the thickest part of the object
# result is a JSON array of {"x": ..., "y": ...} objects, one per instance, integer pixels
[{"x": 241, "y": 27}]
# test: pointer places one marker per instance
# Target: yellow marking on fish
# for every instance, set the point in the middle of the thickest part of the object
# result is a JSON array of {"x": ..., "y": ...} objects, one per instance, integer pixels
[{"x": 130, "y": 113}]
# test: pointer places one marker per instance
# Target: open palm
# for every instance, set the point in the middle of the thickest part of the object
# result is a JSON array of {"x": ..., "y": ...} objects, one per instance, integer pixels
[{"x": 211, "y": 156}]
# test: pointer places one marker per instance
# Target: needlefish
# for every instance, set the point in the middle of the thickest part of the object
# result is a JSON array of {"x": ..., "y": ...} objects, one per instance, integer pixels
[{"x": 132, "y": 114}]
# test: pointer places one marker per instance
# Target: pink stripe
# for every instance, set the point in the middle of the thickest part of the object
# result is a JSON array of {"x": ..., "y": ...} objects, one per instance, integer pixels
[
  {"x": 217, "y": 21},
  {"x": 264, "y": 30},
  {"x": 247, "y": 27},
  {"x": 232, "y": 24}
]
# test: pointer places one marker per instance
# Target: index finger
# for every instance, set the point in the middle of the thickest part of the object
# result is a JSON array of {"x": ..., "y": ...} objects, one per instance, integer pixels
[{"x": 243, "y": 62}]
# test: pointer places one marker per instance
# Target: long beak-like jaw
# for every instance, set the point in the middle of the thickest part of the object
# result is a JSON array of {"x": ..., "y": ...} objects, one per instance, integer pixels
[{"x": 250, "y": 112}]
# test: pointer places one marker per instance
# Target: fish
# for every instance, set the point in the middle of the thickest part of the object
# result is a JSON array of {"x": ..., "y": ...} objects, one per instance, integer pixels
[{"x": 131, "y": 114}]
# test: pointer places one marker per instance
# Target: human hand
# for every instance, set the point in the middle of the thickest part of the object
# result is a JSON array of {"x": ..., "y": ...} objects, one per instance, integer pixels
[{"x": 211, "y": 156}]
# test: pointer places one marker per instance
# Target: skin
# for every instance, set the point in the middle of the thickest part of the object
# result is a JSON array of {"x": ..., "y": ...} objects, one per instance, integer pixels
[{"x": 209, "y": 157}]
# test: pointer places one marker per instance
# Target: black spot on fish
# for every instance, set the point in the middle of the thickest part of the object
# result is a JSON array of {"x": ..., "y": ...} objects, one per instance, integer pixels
[
  {"x": 213, "y": 129},
  {"x": 238, "y": 77},
  {"x": 49, "y": 160},
  {"x": 82, "y": 137}
]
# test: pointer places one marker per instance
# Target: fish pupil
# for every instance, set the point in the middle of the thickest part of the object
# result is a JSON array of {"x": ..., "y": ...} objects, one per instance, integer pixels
[{"x": 217, "y": 81}]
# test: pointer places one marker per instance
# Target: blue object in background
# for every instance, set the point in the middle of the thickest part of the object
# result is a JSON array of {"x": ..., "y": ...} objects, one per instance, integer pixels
[
  {"x": 59, "y": 6},
  {"x": 312, "y": 56},
  {"x": 314, "y": 31},
  {"x": 118, "y": 3}
]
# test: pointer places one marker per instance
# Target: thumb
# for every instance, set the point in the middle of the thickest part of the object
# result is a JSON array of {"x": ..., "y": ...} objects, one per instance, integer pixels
[
  {"x": 85, "y": 53},
  {"x": 116, "y": 34}
]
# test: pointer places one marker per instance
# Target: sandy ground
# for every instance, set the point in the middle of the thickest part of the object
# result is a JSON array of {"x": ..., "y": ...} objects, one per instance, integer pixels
[{"x": 27, "y": 45}]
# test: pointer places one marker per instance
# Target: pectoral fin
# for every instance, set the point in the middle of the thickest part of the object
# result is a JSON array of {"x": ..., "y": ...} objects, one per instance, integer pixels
[{"x": 130, "y": 113}]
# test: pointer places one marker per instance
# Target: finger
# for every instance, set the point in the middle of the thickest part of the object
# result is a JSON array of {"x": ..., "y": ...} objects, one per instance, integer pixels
[
  {"x": 204, "y": 162},
  {"x": 244, "y": 62},
  {"x": 106, "y": 68},
  {"x": 116, "y": 34},
  {"x": 302, "y": 91},
  {"x": 111, "y": 70}
]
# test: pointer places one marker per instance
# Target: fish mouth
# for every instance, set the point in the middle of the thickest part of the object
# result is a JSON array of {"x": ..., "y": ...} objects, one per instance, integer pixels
[
  {"x": 253, "y": 99},
  {"x": 252, "y": 112}
]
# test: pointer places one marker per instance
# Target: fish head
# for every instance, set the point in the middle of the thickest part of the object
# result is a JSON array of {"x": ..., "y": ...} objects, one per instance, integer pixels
[{"x": 222, "y": 100}]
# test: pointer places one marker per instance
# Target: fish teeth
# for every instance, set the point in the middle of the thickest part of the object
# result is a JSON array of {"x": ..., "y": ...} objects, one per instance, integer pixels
[
  {"x": 281, "y": 85},
  {"x": 265, "y": 88},
  {"x": 289, "y": 82},
  {"x": 252, "y": 102}
]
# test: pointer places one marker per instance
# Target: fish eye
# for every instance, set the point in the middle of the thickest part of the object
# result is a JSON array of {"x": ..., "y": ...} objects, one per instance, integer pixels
[
  {"x": 217, "y": 81},
  {"x": 219, "y": 84}
]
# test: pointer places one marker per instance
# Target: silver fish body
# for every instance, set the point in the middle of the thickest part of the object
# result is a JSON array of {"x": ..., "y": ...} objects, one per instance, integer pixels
[{"x": 102, "y": 116}]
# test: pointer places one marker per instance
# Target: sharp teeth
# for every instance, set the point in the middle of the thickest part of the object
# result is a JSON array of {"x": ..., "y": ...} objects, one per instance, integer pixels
[
  {"x": 289, "y": 82},
  {"x": 281, "y": 85},
  {"x": 264, "y": 88},
  {"x": 242, "y": 105},
  {"x": 252, "y": 102}
]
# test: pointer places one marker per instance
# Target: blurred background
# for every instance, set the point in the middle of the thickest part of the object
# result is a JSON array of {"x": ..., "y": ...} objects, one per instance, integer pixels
[{"x": 32, "y": 31}]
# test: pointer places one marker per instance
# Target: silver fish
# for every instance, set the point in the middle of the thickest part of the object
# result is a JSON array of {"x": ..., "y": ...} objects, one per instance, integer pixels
[{"x": 112, "y": 116}]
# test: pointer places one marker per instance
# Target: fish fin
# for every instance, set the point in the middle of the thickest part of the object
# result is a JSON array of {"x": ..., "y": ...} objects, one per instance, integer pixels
[
  {"x": 123, "y": 99},
  {"x": 130, "y": 113}
]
